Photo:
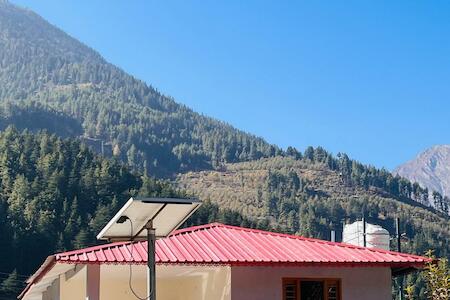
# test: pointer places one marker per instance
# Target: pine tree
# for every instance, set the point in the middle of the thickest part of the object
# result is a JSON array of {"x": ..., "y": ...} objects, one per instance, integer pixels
[
  {"x": 101, "y": 217},
  {"x": 11, "y": 285},
  {"x": 17, "y": 203},
  {"x": 82, "y": 239}
]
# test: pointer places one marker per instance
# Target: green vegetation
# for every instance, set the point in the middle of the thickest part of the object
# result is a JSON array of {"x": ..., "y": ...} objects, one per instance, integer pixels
[
  {"x": 210, "y": 212},
  {"x": 35, "y": 117},
  {"x": 44, "y": 67},
  {"x": 51, "y": 81},
  {"x": 11, "y": 285},
  {"x": 355, "y": 173},
  {"x": 305, "y": 196},
  {"x": 57, "y": 194},
  {"x": 437, "y": 279}
]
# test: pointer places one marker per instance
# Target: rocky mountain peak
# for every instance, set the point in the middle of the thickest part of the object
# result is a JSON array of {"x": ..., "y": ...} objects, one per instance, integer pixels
[{"x": 430, "y": 169}]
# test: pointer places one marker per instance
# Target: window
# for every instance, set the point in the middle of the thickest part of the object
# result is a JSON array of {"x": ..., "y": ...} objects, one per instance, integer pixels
[{"x": 311, "y": 289}]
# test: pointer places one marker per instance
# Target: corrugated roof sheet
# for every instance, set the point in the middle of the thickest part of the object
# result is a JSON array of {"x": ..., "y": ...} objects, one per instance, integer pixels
[{"x": 223, "y": 244}]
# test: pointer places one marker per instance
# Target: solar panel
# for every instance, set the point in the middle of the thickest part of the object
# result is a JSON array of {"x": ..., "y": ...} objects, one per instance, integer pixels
[{"x": 167, "y": 214}]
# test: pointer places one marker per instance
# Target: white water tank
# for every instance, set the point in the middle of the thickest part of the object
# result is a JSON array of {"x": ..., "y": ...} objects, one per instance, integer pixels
[{"x": 376, "y": 236}]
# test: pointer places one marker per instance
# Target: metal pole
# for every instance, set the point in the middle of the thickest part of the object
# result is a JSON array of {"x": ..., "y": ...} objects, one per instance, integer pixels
[
  {"x": 398, "y": 235},
  {"x": 151, "y": 270},
  {"x": 364, "y": 232},
  {"x": 399, "y": 249},
  {"x": 333, "y": 236}
]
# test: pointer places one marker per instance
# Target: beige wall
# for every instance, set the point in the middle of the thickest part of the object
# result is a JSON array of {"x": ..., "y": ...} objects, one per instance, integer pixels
[
  {"x": 265, "y": 283},
  {"x": 173, "y": 282},
  {"x": 224, "y": 283},
  {"x": 114, "y": 282},
  {"x": 73, "y": 284},
  {"x": 214, "y": 284}
]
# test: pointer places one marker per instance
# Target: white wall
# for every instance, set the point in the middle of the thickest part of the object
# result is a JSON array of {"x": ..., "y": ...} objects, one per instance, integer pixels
[{"x": 265, "y": 283}]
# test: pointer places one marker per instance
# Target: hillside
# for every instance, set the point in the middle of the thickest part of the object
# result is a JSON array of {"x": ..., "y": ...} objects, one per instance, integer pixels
[
  {"x": 315, "y": 194},
  {"x": 42, "y": 66},
  {"x": 430, "y": 169},
  {"x": 57, "y": 194},
  {"x": 51, "y": 81},
  {"x": 308, "y": 198}
]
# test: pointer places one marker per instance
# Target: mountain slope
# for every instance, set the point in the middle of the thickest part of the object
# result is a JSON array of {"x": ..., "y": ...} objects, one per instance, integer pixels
[
  {"x": 46, "y": 72},
  {"x": 41, "y": 64},
  {"x": 51, "y": 81},
  {"x": 57, "y": 194},
  {"x": 308, "y": 198},
  {"x": 54, "y": 193},
  {"x": 430, "y": 169}
]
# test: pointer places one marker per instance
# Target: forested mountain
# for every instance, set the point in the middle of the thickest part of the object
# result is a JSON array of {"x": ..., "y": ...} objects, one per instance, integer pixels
[
  {"x": 51, "y": 81},
  {"x": 52, "y": 193},
  {"x": 315, "y": 193},
  {"x": 430, "y": 169},
  {"x": 56, "y": 195},
  {"x": 42, "y": 66}
]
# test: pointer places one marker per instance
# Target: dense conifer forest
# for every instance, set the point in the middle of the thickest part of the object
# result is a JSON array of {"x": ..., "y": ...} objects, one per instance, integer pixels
[
  {"x": 42, "y": 66},
  {"x": 51, "y": 81},
  {"x": 57, "y": 194}
]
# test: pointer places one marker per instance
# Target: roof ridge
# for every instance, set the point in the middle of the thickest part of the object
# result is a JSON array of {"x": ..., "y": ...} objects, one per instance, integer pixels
[
  {"x": 197, "y": 228},
  {"x": 292, "y": 236}
]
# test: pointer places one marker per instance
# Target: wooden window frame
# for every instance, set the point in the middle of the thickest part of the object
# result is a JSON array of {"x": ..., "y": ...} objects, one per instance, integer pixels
[{"x": 325, "y": 281}]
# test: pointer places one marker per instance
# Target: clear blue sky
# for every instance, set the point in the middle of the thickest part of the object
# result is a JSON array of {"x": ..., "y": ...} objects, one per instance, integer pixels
[{"x": 369, "y": 78}]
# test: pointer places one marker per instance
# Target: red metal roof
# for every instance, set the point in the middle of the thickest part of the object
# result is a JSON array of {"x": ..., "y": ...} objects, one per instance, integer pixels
[{"x": 223, "y": 244}]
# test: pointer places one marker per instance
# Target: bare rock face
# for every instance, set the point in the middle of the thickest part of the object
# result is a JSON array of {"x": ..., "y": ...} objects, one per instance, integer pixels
[{"x": 430, "y": 169}]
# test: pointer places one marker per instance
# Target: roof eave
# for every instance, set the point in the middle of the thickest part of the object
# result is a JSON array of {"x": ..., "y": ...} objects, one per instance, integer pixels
[
  {"x": 405, "y": 270},
  {"x": 49, "y": 262}
]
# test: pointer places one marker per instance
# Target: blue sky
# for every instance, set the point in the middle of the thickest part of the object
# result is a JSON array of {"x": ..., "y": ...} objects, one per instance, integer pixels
[{"x": 369, "y": 78}]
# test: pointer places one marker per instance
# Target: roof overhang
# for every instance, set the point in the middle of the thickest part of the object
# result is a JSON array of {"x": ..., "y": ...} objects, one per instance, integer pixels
[{"x": 400, "y": 271}]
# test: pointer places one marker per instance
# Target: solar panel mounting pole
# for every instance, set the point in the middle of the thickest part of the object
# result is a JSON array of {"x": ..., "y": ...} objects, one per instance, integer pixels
[
  {"x": 158, "y": 216},
  {"x": 151, "y": 269},
  {"x": 364, "y": 232},
  {"x": 399, "y": 249}
]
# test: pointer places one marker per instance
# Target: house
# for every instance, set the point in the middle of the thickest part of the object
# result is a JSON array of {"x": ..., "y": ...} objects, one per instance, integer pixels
[{"x": 221, "y": 262}]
